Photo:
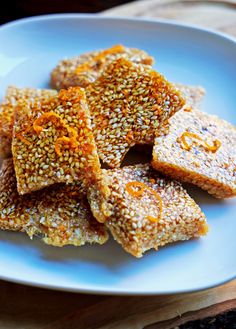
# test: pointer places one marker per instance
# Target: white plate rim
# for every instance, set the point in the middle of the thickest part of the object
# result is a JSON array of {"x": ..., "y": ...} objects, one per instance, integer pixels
[
  {"x": 111, "y": 292},
  {"x": 103, "y": 291},
  {"x": 99, "y": 16}
]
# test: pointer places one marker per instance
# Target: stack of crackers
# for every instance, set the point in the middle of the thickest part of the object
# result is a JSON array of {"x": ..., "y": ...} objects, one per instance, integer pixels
[{"x": 62, "y": 177}]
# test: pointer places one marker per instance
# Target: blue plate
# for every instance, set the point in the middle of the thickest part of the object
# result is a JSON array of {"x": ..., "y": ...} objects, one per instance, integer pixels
[{"x": 30, "y": 49}]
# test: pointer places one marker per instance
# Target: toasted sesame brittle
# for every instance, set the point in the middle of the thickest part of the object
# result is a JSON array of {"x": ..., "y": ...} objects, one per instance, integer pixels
[
  {"x": 54, "y": 143},
  {"x": 86, "y": 68},
  {"x": 9, "y": 103},
  {"x": 200, "y": 149},
  {"x": 60, "y": 214},
  {"x": 149, "y": 211},
  {"x": 128, "y": 103}
]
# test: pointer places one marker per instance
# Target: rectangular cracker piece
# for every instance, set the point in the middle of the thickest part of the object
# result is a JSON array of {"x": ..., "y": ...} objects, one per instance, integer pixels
[
  {"x": 128, "y": 103},
  {"x": 149, "y": 211},
  {"x": 86, "y": 68},
  {"x": 199, "y": 149},
  {"x": 9, "y": 103},
  {"x": 54, "y": 143},
  {"x": 60, "y": 214}
]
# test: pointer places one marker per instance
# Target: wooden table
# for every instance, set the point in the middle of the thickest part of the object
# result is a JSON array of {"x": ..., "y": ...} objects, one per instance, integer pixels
[
  {"x": 217, "y": 14},
  {"x": 24, "y": 307}
]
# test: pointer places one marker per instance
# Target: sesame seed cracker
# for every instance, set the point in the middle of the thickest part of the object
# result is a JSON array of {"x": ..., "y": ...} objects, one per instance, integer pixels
[
  {"x": 54, "y": 143},
  {"x": 200, "y": 149},
  {"x": 128, "y": 103},
  {"x": 59, "y": 214},
  {"x": 149, "y": 211}
]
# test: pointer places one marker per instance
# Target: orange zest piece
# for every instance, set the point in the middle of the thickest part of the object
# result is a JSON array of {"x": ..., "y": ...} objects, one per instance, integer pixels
[
  {"x": 196, "y": 138},
  {"x": 137, "y": 189},
  {"x": 110, "y": 51},
  {"x": 63, "y": 95},
  {"x": 62, "y": 228},
  {"x": 213, "y": 147},
  {"x": 204, "y": 229},
  {"x": 188, "y": 109},
  {"x": 86, "y": 66},
  {"x": 22, "y": 138},
  {"x": 44, "y": 118},
  {"x": 20, "y": 135},
  {"x": 129, "y": 137},
  {"x": 71, "y": 141},
  {"x": 87, "y": 148},
  {"x": 153, "y": 219},
  {"x": 71, "y": 94},
  {"x": 83, "y": 67},
  {"x": 53, "y": 117},
  {"x": 72, "y": 132}
]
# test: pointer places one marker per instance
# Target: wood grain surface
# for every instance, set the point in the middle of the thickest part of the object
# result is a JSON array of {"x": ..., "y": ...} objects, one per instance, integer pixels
[
  {"x": 151, "y": 312},
  {"x": 215, "y": 14},
  {"x": 23, "y": 307}
]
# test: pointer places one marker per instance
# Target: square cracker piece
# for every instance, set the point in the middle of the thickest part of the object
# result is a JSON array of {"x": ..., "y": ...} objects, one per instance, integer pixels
[
  {"x": 86, "y": 68},
  {"x": 59, "y": 214},
  {"x": 199, "y": 149},
  {"x": 9, "y": 103},
  {"x": 128, "y": 103},
  {"x": 149, "y": 211},
  {"x": 54, "y": 143}
]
